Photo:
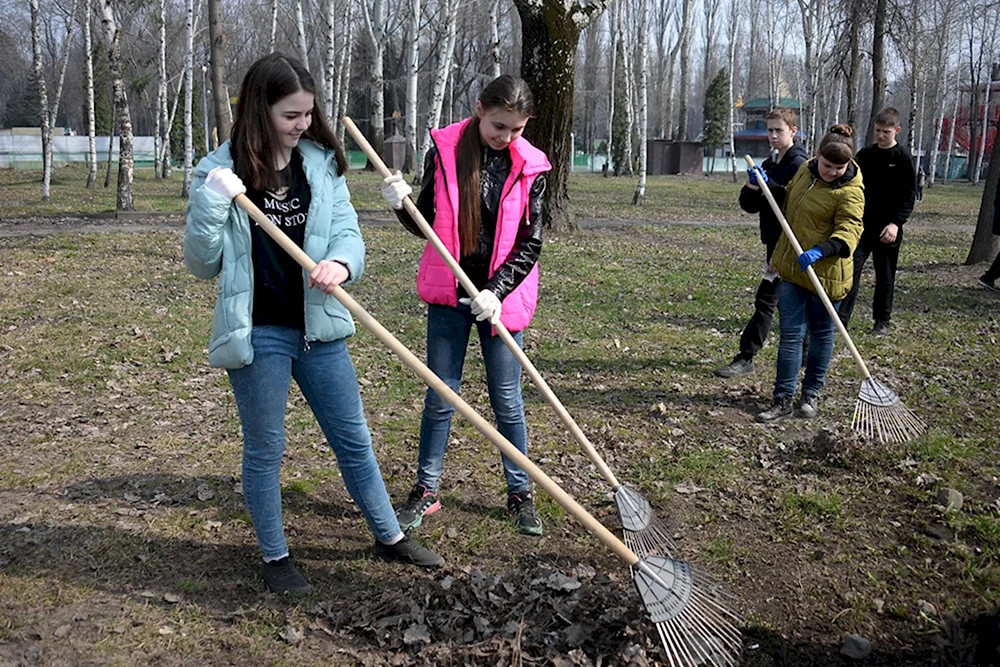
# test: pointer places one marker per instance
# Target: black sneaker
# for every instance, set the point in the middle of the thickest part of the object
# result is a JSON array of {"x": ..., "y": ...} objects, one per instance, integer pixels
[
  {"x": 738, "y": 367},
  {"x": 809, "y": 406},
  {"x": 780, "y": 408},
  {"x": 522, "y": 507},
  {"x": 408, "y": 551},
  {"x": 881, "y": 328},
  {"x": 987, "y": 283},
  {"x": 419, "y": 503},
  {"x": 282, "y": 577}
]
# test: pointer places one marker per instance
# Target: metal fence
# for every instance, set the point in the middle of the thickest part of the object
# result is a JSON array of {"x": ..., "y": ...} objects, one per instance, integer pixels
[{"x": 25, "y": 151}]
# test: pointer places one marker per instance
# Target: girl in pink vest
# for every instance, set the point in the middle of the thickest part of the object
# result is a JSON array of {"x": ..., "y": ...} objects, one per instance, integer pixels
[{"x": 483, "y": 188}]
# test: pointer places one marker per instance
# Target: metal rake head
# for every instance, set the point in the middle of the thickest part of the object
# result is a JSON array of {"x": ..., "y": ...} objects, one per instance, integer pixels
[
  {"x": 879, "y": 413},
  {"x": 692, "y": 613}
]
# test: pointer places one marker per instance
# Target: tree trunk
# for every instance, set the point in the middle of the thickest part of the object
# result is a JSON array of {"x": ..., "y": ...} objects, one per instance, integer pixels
[
  {"x": 412, "y": 72},
  {"x": 188, "y": 102},
  {"x": 550, "y": 31},
  {"x": 89, "y": 85},
  {"x": 375, "y": 23},
  {"x": 274, "y": 25},
  {"x": 612, "y": 68},
  {"x": 45, "y": 125},
  {"x": 161, "y": 88},
  {"x": 111, "y": 148},
  {"x": 984, "y": 244},
  {"x": 682, "y": 123},
  {"x": 300, "y": 32},
  {"x": 495, "y": 38},
  {"x": 330, "y": 61},
  {"x": 125, "y": 156},
  {"x": 734, "y": 22},
  {"x": 220, "y": 91},
  {"x": 854, "y": 66},
  {"x": 444, "y": 58},
  {"x": 640, "y": 188},
  {"x": 344, "y": 74},
  {"x": 878, "y": 67},
  {"x": 628, "y": 76}
]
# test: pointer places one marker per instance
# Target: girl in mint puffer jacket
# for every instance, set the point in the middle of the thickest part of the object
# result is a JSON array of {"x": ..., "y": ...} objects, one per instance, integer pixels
[{"x": 273, "y": 322}]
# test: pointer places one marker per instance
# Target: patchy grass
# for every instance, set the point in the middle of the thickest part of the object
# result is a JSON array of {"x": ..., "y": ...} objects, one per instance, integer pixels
[{"x": 124, "y": 538}]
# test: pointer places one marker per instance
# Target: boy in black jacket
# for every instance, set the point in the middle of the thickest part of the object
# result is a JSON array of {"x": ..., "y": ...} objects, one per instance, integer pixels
[
  {"x": 781, "y": 129},
  {"x": 890, "y": 188}
]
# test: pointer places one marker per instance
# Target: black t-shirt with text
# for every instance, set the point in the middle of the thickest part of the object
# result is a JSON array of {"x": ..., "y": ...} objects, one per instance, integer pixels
[{"x": 278, "y": 297}]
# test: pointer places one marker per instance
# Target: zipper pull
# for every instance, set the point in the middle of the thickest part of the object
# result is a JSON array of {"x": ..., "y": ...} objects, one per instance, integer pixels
[{"x": 305, "y": 342}]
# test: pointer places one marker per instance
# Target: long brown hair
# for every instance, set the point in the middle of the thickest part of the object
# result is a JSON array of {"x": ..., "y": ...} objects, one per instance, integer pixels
[
  {"x": 838, "y": 144},
  {"x": 254, "y": 141},
  {"x": 511, "y": 94}
]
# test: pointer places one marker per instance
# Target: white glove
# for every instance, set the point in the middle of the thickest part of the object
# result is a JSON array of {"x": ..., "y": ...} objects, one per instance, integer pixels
[
  {"x": 224, "y": 182},
  {"x": 486, "y": 306},
  {"x": 395, "y": 190}
]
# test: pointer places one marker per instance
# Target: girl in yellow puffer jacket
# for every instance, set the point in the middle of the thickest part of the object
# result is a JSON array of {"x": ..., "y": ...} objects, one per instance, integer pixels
[{"x": 824, "y": 205}]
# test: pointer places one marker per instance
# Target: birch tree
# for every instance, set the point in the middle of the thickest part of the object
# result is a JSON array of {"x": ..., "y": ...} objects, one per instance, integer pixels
[
  {"x": 188, "y": 101},
  {"x": 878, "y": 66},
  {"x": 640, "y": 189},
  {"x": 376, "y": 30},
  {"x": 412, "y": 71},
  {"x": 813, "y": 13},
  {"x": 274, "y": 25},
  {"x": 344, "y": 73},
  {"x": 494, "y": 38},
  {"x": 613, "y": 52},
  {"x": 57, "y": 98},
  {"x": 89, "y": 86},
  {"x": 220, "y": 91},
  {"x": 685, "y": 70},
  {"x": 734, "y": 22},
  {"x": 161, "y": 90},
  {"x": 43, "y": 100},
  {"x": 112, "y": 36},
  {"x": 442, "y": 71},
  {"x": 330, "y": 60}
]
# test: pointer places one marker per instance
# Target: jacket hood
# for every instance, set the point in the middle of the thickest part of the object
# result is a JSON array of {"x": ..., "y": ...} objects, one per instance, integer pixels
[
  {"x": 844, "y": 179},
  {"x": 315, "y": 158},
  {"x": 521, "y": 150}
]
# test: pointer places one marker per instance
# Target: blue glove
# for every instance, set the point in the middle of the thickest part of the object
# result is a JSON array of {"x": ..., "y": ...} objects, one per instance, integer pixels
[
  {"x": 755, "y": 173},
  {"x": 810, "y": 257}
]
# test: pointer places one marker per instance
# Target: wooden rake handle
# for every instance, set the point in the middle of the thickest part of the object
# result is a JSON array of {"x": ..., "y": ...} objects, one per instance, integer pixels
[
  {"x": 438, "y": 385},
  {"x": 810, "y": 272},
  {"x": 501, "y": 330}
]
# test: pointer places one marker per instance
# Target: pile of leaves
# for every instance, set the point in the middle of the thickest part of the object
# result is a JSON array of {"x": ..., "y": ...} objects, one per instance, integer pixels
[{"x": 468, "y": 616}]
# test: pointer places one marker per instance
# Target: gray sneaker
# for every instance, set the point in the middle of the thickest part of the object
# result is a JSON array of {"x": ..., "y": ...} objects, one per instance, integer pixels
[
  {"x": 780, "y": 408},
  {"x": 809, "y": 406},
  {"x": 738, "y": 367}
]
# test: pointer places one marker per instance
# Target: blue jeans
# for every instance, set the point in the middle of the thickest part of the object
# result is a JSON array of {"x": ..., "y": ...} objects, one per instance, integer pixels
[
  {"x": 448, "y": 332},
  {"x": 325, "y": 374},
  {"x": 801, "y": 310}
]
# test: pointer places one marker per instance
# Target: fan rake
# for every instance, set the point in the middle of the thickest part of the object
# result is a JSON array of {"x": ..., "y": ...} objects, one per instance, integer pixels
[{"x": 695, "y": 628}]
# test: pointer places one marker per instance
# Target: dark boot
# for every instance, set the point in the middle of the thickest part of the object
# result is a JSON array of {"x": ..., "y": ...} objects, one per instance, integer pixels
[{"x": 781, "y": 407}]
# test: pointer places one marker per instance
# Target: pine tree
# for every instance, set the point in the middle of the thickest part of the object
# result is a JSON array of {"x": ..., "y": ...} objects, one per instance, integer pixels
[{"x": 715, "y": 129}]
